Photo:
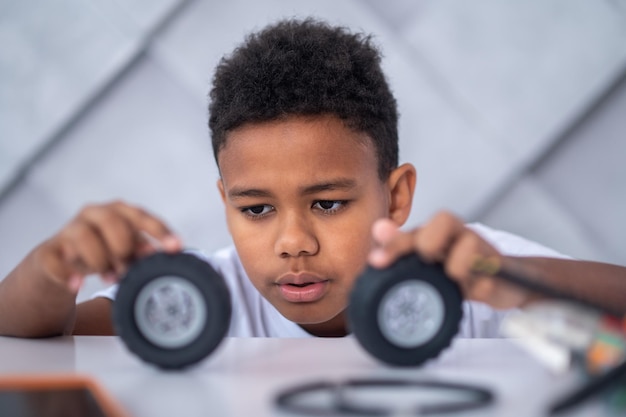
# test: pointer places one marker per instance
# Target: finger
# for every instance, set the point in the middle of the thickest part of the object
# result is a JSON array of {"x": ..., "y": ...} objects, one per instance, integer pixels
[
  {"x": 150, "y": 224},
  {"x": 436, "y": 237},
  {"x": 85, "y": 249},
  {"x": 52, "y": 257},
  {"x": 116, "y": 232},
  {"x": 75, "y": 282},
  {"x": 150, "y": 244},
  {"x": 483, "y": 289},
  {"x": 498, "y": 294},
  {"x": 112, "y": 277},
  {"x": 383, "y": 231},
  {"x": 390, "y": 243},
  {"x": 467, "y": 250}
]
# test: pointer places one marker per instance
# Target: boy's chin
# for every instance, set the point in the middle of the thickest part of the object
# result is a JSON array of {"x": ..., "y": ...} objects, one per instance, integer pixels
[
  {"x": 317, "y": 323},
  {"x": 309, "y": 313}
]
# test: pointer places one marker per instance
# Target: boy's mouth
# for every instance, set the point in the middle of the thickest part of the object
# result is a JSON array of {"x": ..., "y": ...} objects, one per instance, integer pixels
[{"x": 302, "y": 288}]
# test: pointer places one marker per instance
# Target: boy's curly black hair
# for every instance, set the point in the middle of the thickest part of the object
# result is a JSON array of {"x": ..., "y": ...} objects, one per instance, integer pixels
[{"x": 306, "y": 67}]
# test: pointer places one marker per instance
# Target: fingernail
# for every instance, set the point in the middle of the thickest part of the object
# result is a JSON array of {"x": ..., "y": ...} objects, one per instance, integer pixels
[
  {"x": 75, "y": 282},
  {"x": 378, "y": 257},
  {"x": 152, "y": 241},
  {"x": 109, "y": 277},
  {"x": 171, "y": 242}
]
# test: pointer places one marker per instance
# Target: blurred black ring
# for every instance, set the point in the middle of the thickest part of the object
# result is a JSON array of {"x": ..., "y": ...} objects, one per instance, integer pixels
[{"x": 477, "y": 397}]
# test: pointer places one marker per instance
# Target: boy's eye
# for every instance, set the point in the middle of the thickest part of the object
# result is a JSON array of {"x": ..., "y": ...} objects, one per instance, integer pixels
[
  {"x": 257, "y": 211},
  {"x": 330, "y": 205}
]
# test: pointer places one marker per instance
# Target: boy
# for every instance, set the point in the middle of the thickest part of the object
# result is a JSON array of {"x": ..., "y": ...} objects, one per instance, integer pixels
[{"x": 304, "y": 134}]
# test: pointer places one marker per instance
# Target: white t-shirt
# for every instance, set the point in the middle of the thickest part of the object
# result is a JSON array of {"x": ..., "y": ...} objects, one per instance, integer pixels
[{"x": 254, "y": 316}]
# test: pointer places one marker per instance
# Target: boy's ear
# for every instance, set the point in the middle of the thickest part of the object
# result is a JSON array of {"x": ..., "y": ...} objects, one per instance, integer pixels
[
  {"x": 401, "y": 183},
  {"x": 220, "y": 187}
]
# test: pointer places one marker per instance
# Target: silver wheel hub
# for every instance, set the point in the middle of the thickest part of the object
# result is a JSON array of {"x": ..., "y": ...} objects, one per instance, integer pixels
[
  {"x": 411, "y": 313},
  {"x": 170, "y": 312}
]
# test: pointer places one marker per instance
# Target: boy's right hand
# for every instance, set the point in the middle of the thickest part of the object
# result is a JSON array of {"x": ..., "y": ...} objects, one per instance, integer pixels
[
  {"x": 102, "y": 239},
  {"x": 447, "y": 240}
]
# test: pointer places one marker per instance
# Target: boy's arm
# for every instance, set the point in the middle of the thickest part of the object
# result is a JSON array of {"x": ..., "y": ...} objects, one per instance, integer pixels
[
  {"x": 599, "y": 283},
  {"x": 32, "y": 304},
  {"x": 446, "y": 239},
  {"x": 93, "y": 317},
  {"x": 38, "y": 298}
]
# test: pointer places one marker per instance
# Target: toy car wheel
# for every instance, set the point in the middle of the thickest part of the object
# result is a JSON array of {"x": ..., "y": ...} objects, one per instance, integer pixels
[
  {"x": 172, "y": 310},
  {"x": 405, "y": 314}
]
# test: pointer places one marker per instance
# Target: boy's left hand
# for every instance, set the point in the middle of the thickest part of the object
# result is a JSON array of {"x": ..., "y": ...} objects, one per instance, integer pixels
[{"x": 446, "y": 239}]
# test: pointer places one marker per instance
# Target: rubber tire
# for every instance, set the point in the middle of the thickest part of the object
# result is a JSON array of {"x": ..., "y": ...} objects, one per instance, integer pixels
[
  {"x": 368, "y": 293},
  {"x": 197, "y": 273}
]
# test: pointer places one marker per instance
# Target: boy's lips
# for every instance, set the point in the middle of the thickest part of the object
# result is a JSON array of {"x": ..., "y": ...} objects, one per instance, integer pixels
[{"x": 302, "y": 288}]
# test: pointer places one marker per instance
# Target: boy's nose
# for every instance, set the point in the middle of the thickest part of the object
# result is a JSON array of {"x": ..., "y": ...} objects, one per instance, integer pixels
[{"x": 295, "y": 238}]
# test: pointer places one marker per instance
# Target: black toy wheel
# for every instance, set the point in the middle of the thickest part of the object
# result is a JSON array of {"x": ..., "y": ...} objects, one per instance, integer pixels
[
  {"x": 407, "y": 313},
  {"x": 172, "y": 310}
]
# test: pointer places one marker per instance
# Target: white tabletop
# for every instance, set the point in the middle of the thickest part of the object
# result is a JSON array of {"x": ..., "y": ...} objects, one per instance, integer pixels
[{"x": 243, "y": 376}]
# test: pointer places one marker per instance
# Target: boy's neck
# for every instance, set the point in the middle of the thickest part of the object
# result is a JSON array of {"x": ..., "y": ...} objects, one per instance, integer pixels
[{"x": 335, "y": 327}]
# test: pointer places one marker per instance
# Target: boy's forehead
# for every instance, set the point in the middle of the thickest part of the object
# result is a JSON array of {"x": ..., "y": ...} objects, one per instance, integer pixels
[
  {"x": 317, "y": 147},
  {"x": 321, "y": 135}
]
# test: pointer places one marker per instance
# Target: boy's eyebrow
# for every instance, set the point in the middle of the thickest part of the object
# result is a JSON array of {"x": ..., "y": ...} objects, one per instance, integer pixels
[
  {"x": 336, "y": 184},
  {"x": 236, "y": 192}
]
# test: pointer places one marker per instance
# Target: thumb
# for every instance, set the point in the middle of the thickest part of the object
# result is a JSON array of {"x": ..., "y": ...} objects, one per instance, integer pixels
[
  {"x": 389, "y": 243},
  {"x": 75, "y": 282}
]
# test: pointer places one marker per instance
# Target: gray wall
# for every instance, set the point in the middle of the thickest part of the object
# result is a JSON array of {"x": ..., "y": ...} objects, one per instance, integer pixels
[{"x": 512, "y": 112}]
